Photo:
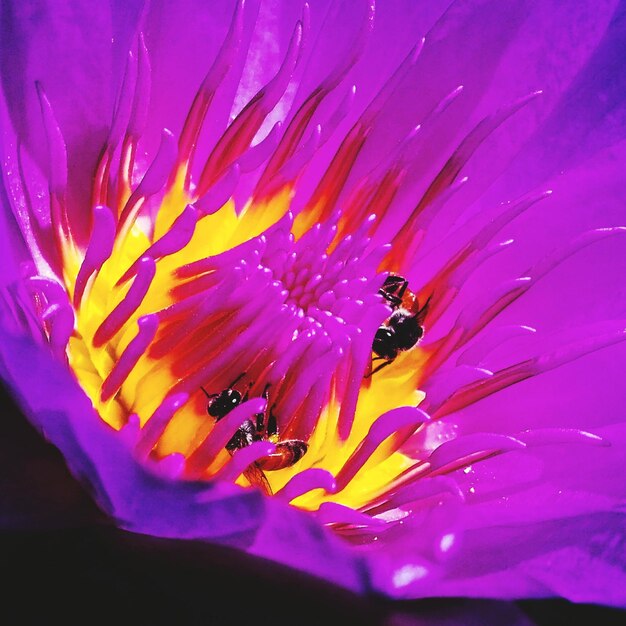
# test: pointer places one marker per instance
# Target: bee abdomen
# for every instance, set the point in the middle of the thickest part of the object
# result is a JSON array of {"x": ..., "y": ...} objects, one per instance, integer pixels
[{"x": 287, "y": 453}]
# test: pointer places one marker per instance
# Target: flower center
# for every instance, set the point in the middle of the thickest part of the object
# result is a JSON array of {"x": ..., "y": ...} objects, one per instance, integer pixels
[
  {"x": 273, "y": 342},
  {"x": 161, "y": 325},
  {"x": 238, "y": 341}
]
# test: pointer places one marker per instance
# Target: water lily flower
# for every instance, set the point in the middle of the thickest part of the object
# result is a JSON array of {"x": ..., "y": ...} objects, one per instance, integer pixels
[{"x": 338, "y": 285}]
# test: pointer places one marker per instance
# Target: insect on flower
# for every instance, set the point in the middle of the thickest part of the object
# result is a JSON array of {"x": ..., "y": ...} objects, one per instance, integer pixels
[
  {"x": 262, "y": 428},
  {"x": 404, "y": 328},
  {"x": 318, "y": 188}
]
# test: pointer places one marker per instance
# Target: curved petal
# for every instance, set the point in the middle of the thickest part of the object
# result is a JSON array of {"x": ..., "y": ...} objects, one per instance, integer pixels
[
  {"x": 138, "y": 499},
  {"x": 67, "y": 47},
  {"x": 533, "y": 526},
  {"x": 434, "y": 137}
]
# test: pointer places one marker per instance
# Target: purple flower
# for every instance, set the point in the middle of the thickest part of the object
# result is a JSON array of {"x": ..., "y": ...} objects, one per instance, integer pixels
[{"x": 337, "y": 286}]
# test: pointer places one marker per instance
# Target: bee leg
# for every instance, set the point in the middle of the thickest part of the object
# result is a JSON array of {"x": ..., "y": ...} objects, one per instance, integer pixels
[
  {"x": 260, "y": 424},
  {"x": 236, "y": 380},
  {"x": 209, "y": 396},
  {"x": 246, "y": 395},
  {"x": 393, "y": 289},
  {"x": 421, "y": 312},
  {"x": 379, "y": 367},
  {"x": 272, "y": 424},
  {"x": 393, "y": 300},
  {"x": 260, "y": 417},
  {"x": 370, "y": 371}
]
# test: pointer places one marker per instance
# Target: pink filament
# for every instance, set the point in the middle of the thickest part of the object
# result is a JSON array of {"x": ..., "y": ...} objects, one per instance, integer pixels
[
  {"x": 129, "y": 358},
  {"x": 129, "y": 304}
]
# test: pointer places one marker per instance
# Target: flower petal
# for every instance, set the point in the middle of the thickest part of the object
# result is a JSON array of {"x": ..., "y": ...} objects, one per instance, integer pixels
[
  {"x": 66, "y": 46},
  {"x": 138, "y": 499}
]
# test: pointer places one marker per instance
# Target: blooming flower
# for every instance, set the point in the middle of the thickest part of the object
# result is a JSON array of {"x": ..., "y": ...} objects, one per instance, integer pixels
[{"x": 286, "y": 297}]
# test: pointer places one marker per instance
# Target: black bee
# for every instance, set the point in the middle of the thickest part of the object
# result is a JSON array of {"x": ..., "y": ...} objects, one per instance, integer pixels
[
  {"x": 404, "y": 328},
  {"x": 264, "y": 427}
]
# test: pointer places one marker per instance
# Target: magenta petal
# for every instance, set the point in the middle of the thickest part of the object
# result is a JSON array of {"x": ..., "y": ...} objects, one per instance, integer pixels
[
  {"x": 139, "y": 500},
  {"x": 97, "y": 456},
  {"x": 296, "y": 539},
  {"x": 549, "y": 533},
  {"x": 67, "y": 48},
  {"x": 555, "y": 530},
  {"x": 98, "y": 250},
  {"x": 313, "y": 478},
  {"x": 12, "y": 244},
  {"x": 579, "y": 558},
  {"x": 427, "y": 132}
]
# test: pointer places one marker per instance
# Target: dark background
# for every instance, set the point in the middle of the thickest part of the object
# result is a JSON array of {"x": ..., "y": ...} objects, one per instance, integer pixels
[{"x": 63, "y": 561}]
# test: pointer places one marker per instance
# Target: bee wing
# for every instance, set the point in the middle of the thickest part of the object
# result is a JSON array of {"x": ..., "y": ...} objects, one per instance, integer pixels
[{"x": 257, "y": 478}]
